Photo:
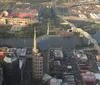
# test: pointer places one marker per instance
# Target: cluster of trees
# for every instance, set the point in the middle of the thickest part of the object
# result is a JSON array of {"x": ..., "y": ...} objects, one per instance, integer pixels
[
  {"x": 5, "y": 34},
  {"x": 90, "y": 26},
  {"x": 80, "y": 46}
]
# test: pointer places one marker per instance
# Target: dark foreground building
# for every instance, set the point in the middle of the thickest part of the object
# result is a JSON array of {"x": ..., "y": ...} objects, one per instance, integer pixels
[
  {"x": 11, "y": 71},
  {"x": 1, "y": 75}
]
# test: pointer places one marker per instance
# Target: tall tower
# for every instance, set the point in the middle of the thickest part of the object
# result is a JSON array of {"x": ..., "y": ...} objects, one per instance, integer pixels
[
  {"x": 35, "y": 50},
  {"x": 37, "y": 61},
  {"x": 48, "y": 28}
]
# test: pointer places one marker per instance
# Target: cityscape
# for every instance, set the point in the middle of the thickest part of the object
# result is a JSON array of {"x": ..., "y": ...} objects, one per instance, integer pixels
[{"x": 49, "y": 42}]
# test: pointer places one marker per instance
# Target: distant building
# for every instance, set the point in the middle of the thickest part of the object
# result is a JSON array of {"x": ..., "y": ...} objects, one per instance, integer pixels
[
  {"x": 7, "y": 0},
  {"x": 18, "y": 21},
  {"x": 37, "y": 67},
  {"x": 34, "y": 0},
  {"x": 21, "y": 14},
  {"x": 88, "y": 0}
]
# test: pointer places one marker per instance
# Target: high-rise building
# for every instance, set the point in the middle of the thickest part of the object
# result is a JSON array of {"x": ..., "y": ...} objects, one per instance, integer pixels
[
  {"x": 37, "y": 67},
  {"x": 11, "y": 70},
  {"x": 13, "y": 66},
  {"x": 37, "y": 61},
  {"x": 1, "y": 76}
]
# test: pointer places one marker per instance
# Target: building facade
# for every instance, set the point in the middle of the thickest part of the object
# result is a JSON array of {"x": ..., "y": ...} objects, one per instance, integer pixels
[
  {"x": 37, "y": 67},
  {"x": 1, "y": 76},
  {"x": 11, "y": 71},
  {"x": 17, "y": 21}
]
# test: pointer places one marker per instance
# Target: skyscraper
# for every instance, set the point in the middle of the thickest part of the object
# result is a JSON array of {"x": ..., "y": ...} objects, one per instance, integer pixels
[
  {"x": 37, "y": 67},
  {"x": 11, "y": 70},
  {"x": 1, "y": 76},
  {"x": 37, "y": 61}
]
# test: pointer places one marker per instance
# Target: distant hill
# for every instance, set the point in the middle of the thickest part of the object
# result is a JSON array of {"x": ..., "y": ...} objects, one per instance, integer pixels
[
  {"x": 28, "y": 1},
  {"x": 34, "y": 0}
]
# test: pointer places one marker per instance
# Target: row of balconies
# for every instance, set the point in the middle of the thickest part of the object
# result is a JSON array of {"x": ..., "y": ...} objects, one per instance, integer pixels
[
  {"x": 38, "y": 74},
  {"x": 38, "y": 69}
]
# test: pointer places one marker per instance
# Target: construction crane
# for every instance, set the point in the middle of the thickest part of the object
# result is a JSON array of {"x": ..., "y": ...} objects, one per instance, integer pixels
[{"x": 75, "y": 29}]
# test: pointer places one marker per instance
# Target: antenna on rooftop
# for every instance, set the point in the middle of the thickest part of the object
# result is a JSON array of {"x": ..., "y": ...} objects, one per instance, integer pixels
[{"x": 35, "y": 50}]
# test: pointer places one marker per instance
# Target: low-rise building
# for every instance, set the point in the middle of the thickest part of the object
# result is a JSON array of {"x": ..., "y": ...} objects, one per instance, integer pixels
[
  {"x": 55, "y": 81},
  {"x": 97, "y": 75},
  {"x": 69, "y": 78},
  {"x": 82, "y": 16},
  {"x": 82, "y": 57},
  {"x": 19, "y": 21},
  {"x": 98, "y": 65},
  {"x": 88, "y": 77}
]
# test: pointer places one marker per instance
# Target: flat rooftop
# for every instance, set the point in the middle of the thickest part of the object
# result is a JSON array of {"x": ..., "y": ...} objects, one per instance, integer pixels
[
  {"x": 22, "y": 6},
  {"x": 2, "y": 6},
  {"x": 18, "y": 51}
]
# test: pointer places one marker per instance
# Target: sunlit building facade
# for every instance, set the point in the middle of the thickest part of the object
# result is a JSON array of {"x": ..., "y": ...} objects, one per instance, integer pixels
[{"x": 37, "y": 67}]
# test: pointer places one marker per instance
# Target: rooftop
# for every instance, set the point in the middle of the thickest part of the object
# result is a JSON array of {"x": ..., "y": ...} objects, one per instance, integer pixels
[
  {"x": 82, "y": 56},
  {"x": 21, "y": 51},
  {"x": 14, "y": 54},
  {"x": 97, "y": 75},
  {"x": 18, "y": 51},
  {"x": 22, "y": 11},
  {"x": 88, "y": 77}
]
